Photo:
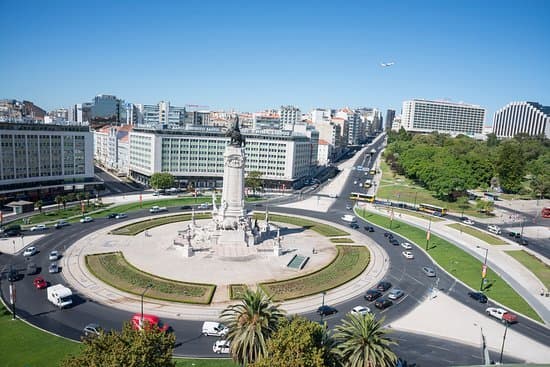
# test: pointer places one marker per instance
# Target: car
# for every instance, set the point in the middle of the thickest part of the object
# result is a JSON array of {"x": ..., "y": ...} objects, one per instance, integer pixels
[
  {"x": 11, "y": 232},
  {"x": 406, "y": 246},
  {"x": 212, "y": 328},
  {"x": 186, "y": 207},
  {"x": 86, "y": 220},
  {"x": 156, "y": 193},
  {"x": 369, "y": 228},
  {"x": 428, "y": 271},
  {"x": 408, "y": 254},
  {"x": 61, "y": 223},
  {"x": 38, "y": 227},
  {"x": 360, "y": 310},
  {"x": 54, "y": 256},
  {"x": 121, "y": 216},
  {"x": 332, "y": 195},
  {"x": 204, "y": 206},
  {"x": 354, "y": 225},
  {"x": 326, "y": 310},
  {"x": 494, "y": 229},
  {"x": 14, "y": 276},
  {"x": 92, "y": 330},
  {"x": 372, "y": 294},
  {"x": 478, "y": 296},
  {"x": 383, "y": 286},
  {"x": 53, "y": 268},
  {"x": 396, "y": 293},
  {"x": 348, "y": 206},
  {"x": 383, "y": 303},
  {"x": 502, "y": 315},
  {"x": 29, "y": 251},
  {"x": 32, "y": 268},
  {"x": 40, "y": 283},
  {"x": 468, "y": 222},
  {"x": 523, "y": 242},
  {"x": 111, "y": 216},
  {"x": 387, "y": 234},
  {"x": 221, "y": 346},
  {"x": 394, "y": 242},
  {"x": 145, "y": 321},
  {"x": 355, "y": 182}
]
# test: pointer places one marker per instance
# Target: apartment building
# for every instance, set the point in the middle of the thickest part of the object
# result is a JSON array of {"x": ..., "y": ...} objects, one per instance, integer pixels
[{"x": 112, "y": 148}]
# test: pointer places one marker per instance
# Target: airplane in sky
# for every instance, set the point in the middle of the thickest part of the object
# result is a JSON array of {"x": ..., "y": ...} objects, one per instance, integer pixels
[{"x": 385, "y": 64}]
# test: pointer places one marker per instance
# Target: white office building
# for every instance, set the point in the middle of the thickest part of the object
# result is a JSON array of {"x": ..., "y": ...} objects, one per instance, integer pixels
[
  {"x": 194, "y": 155},
  {"x": 290, "y": 115},
  {"x": 161, "y": 114},
  {"x": 112, "y": 148},
  {"x": 426, "y": 116},
  {"x": 522, "y": 117}
]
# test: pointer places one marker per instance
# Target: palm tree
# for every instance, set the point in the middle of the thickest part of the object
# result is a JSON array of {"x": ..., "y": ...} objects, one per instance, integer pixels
[
  {"x": 251, "y": 322},
  {"x": 58, "y": 201},
  {"x": 39, "y": 204},
  {"x": 362, "y": 342}
]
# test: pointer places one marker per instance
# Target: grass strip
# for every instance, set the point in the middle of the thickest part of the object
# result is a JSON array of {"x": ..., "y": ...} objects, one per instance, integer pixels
[
  {"x": 531, "y": 262},
  {"x": 349, "y": 263},
  {"x": 486, "y": 237},
  {"x": 236, "y": 291},
  {"x": 459, "y": 263},
  {"x": 323, "y": 229},
  {"x": 113, "y": 269},
  {"x": 341, "y": 240},
  {"x": 138, "y": 227}
]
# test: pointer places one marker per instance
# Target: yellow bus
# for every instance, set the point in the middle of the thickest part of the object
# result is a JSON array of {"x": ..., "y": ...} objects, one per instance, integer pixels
[
  {"x": 432, "y": 209},
  {"x": 357, "y": 196}
]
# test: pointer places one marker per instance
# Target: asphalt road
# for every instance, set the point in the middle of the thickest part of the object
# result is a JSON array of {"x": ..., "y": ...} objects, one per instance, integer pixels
[
  {"x": 405, "y": 274},
  {"x": 113, "y": 185}
]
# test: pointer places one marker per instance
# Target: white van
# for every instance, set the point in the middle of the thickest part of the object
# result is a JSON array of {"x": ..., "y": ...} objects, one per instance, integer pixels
[
  {"x": 349, "y": 218},
  {"x": 494, "y": 229},
  {"x": 210, "y": 328}
]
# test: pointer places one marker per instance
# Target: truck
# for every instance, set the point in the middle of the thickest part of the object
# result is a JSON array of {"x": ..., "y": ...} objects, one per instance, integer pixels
[
  {"x": 158, "y": 209},
  {"x": 60, "y": 295},
  {"x": 502, "y": 315}
]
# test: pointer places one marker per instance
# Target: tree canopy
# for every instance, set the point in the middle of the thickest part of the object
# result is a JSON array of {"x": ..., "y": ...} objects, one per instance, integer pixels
[
  {"x": 161, "y": 180},
  {"x": 254, "y": 180}
]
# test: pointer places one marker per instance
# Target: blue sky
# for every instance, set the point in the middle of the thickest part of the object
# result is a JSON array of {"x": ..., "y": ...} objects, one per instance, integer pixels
[{"x": 251, "y": 55}]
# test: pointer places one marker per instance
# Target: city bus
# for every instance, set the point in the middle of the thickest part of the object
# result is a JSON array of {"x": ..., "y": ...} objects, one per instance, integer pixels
[
  {"x": 432, "y": 209},
  {"x": 357, "y": 196}
]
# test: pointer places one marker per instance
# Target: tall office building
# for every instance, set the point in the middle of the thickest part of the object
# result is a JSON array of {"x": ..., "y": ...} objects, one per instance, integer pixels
[
  {"x": 162, "y": 114},
  {"x": 108, "y": 109},
  {"x": 426, "y": 116},
  {"x": 390, "y": 115},
  {"x": 290, "y": 115},
  {"x": 522, "y": 117}
]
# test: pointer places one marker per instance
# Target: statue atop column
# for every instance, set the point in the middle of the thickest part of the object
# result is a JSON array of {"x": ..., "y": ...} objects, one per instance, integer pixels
[{"x": 237, "y": 139}]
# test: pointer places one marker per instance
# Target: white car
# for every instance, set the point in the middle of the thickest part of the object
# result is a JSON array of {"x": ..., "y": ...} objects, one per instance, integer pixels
[
  {"x": 408, "y": 254},
  {"x": 54, "y": 256},
  {"x": 29, "y": 251},
  {"x": 39, "y": 227},
  {"x": 360, "y": 310},
  {"x": 121, "y": 215},
  {"x": 221, "y": 346},
  {"x": 86, "y": 220},
  {"x": 468, "y": 222},
  {"x": 355, "y": 182},
  {"x": 406, "y": 246}
]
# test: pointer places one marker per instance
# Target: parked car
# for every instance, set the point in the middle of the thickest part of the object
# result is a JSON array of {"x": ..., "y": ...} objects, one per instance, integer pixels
[
  {"x": 408, "y": 254},
  {"x": 40, "y": 283},
  {"x": 145, "y": 321},
  {"x": 502, "y": 315},
  {"x": 92, "y": 330},
  {"x": 372, "y": 294},
  {"x": 383, "y": 286},
  {"x": 478, "y": 296},
  {"x": 38, "y": 227},
  {"x": 221, "y": 346},
  {"x": 406, "y": 246},
  {"x": 396, "y": 293},
  {"x": 14, "y": 276},
  {"x": 86, "y": 220},
  {"x": 354, "y": 225},
  {"x": 326, "y": 310},
  {"x": 53, "y": 268},
  {"x": 360, "y": 310},
  {"x": 29, "y": 251},
  {"x": 61, "y": 223},
  {"x": 54, "y": 256},
  {"x": 428, "y": 271},
  {"x": 383, "y": 303},
  {"x": 121, "y": 216},
  {"x": 32, "y": 268}
]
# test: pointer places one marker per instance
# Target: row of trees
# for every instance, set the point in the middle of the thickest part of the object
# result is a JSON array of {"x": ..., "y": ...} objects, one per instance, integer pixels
[
  {"x": 165, "y": 180},
  {"x": 64, "y": 199},
  {"x": 260, "y": 336},
  {"x": 450, "y": 166}
]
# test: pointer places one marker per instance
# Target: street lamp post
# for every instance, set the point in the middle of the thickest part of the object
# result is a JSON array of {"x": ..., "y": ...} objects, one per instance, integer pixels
[
  {"x": 428, "y": 234},
  {"x": 142, "y": 294},
  {"x": 503, "y": 340},
  {"x": 484, "y": 268}
]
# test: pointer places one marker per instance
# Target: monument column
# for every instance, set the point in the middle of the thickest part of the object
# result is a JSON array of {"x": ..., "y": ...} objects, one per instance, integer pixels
[{"x": 232, "y": 203}]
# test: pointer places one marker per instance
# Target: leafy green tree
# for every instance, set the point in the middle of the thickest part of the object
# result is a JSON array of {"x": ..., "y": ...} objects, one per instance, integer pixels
[
  {"x": 39, "y": 204},
  {"x": 130, "y": 348},
  {"x": 58, "y": 201},
  {"x": 539, "y": 180},
  {"x": 463, "y": 203},
  {"x": 251, "y": 323},
  {"x": 87, "y": 197},
  {"x": 492, "y": 140},
  {"x": 161, "y": 180},
  {"x": 64, "y": 201},
  {"x": 299, "y": 343},
  {"x": 361, "y": 341},
  {"x": 510, "y": 166},
  {"x": 254, "y": 180}
]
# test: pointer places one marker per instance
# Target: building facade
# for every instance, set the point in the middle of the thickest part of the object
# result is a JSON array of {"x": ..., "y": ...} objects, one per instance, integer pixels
[
  {"x": 390, "y": 115},
  {"x": 161, "y": 114},
  {"x": 426, "y": 116},
  {"x": 194, "y": 155},
  {"x": 112, "y": 148},
  {"x": 37, "y": 160},
  {"x": 529, "y": 118},
  {"x": 290, "y": 115}
]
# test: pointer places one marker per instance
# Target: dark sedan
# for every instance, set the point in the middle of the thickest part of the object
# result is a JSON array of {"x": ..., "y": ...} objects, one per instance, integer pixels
[
  {"x": 383, "y": 286},
  {"x": 326, "y": 310},
  {"x": 478, "y": 296},
  {"x": 383, "y": 303},
  {"x": 372, "y": 294},
  {"x": 369, "y": 229},
  {"x": 354, "y": 225}
]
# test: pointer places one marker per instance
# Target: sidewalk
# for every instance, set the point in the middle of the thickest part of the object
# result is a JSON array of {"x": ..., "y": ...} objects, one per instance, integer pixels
[{"x": 514, "y": 273}]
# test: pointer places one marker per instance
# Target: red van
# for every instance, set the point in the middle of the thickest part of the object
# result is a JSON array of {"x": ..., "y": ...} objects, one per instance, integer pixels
[{"x": 147, "y": 320}]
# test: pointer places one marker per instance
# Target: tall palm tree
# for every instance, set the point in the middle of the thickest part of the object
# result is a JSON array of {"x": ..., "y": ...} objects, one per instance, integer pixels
[
  {"x": 361, "y": 341},
  {"x": 251, "y": 322},
  {"x": 58, "y": 201}
]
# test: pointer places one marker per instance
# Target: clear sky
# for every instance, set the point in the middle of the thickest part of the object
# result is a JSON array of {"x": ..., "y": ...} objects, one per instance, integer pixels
[{"x": 261, "y": 54}]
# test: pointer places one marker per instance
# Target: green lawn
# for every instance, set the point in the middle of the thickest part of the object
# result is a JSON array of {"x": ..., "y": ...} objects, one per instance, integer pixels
[
  {"x": 323, "y": 229},
  {"x": 460, "y": 264},
  {"x": 138, "y": 227},
  {"x": 539, "y": 268},
  {"x": 52, "y": 216},
  {"x": 490, "y": 239}
]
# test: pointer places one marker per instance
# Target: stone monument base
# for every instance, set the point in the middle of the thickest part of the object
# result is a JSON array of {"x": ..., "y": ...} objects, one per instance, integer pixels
[{"x": 237, "y": 237}]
